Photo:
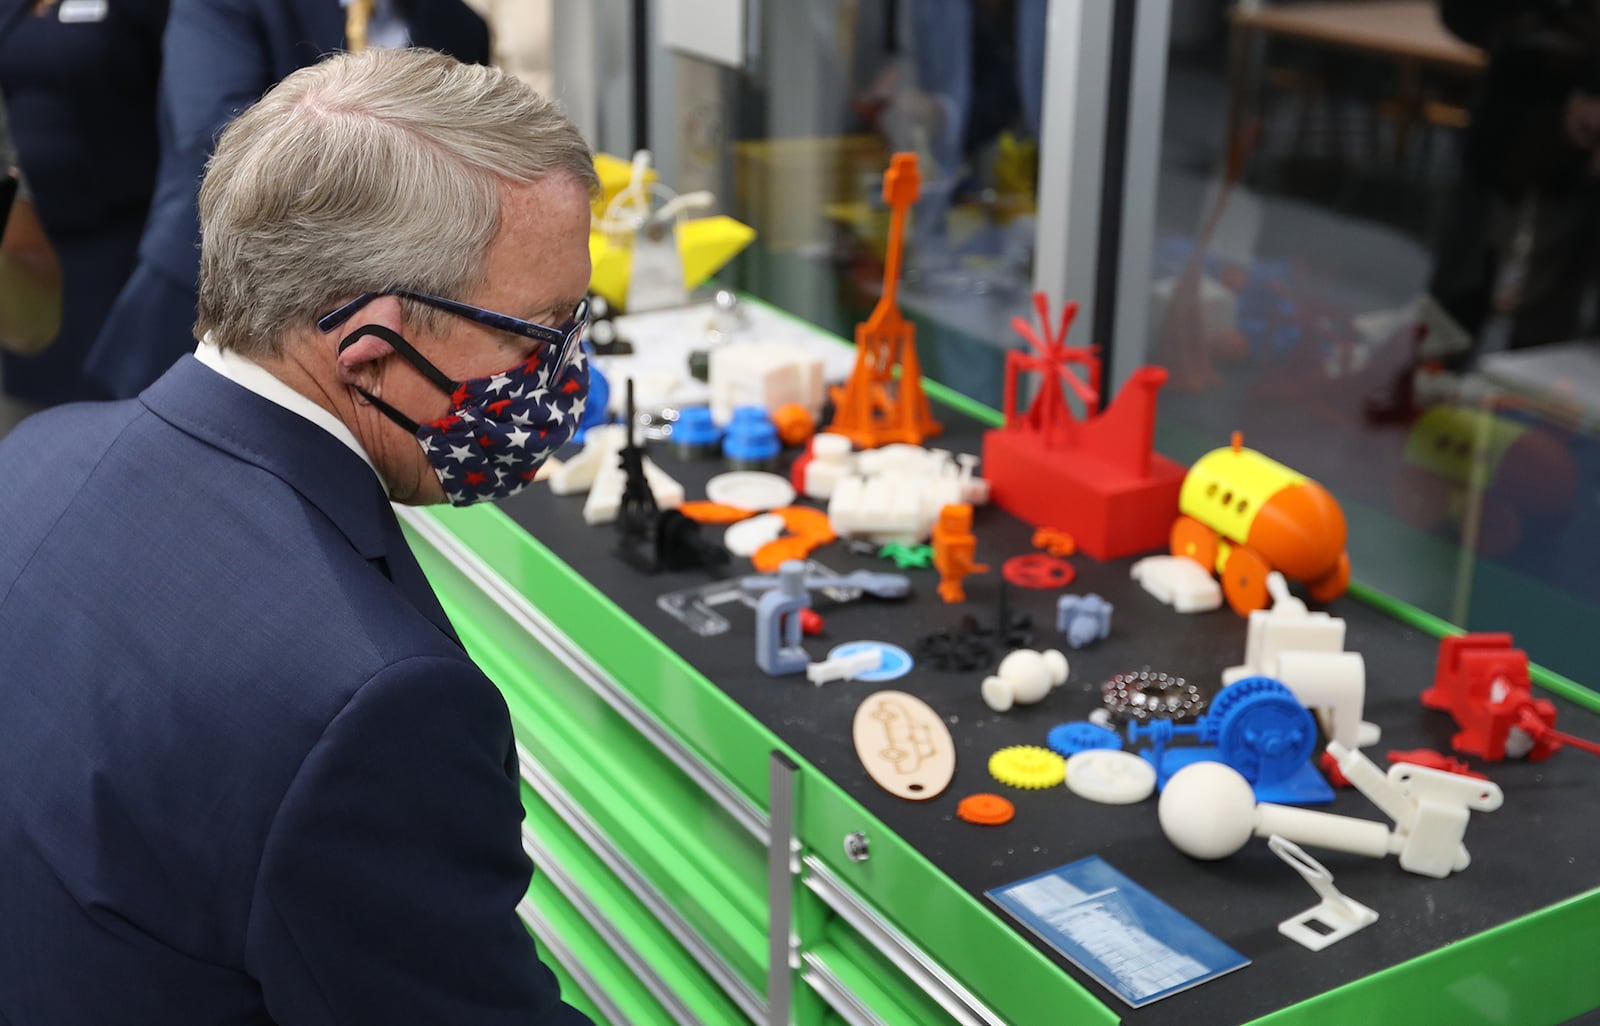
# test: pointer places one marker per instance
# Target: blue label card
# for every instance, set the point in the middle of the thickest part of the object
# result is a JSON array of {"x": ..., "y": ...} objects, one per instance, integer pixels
[{"x": 1133, "y": 943}]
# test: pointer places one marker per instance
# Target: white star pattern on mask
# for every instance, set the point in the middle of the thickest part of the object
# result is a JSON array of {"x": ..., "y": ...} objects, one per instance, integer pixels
[{"x": 501, "y": 428}]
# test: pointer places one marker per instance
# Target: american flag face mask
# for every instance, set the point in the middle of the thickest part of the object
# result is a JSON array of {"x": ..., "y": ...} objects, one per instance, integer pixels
[{"x": 501, "y": 428}]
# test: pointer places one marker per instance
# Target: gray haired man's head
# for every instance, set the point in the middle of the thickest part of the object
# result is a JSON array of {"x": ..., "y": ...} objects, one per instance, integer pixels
[{"x": 366, "y": 172}]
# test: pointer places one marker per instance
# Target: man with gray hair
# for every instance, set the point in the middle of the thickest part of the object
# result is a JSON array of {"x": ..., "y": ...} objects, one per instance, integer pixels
[{"x": 251, "y": 776}]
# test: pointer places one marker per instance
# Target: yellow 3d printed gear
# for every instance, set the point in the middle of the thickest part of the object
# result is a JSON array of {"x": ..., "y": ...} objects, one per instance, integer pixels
[{"x": 1028, "y": 767}]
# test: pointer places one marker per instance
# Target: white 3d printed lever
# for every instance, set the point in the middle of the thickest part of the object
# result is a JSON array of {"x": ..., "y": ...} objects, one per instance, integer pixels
[
  {"x": 1208, "y": 811},
  {"x": 1430, "y": 809}
]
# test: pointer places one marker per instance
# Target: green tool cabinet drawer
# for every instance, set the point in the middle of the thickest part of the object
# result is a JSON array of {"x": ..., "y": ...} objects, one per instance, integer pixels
[{"x": 662, "y": 889}]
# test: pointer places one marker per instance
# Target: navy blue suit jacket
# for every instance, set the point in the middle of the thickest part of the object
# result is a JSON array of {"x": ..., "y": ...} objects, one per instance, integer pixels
[
  {"x": 219, "y": 56},
  {"x": 250, "y": 776}
]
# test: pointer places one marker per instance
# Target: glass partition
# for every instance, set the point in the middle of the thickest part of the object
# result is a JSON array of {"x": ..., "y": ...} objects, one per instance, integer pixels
[
  {"x": 1376, "y": 256},
  {"x": 795, "y": 143}
]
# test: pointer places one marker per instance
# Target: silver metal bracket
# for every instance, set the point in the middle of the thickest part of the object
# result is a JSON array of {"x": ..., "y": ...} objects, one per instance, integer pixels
[{"x": 782, "y": 867}]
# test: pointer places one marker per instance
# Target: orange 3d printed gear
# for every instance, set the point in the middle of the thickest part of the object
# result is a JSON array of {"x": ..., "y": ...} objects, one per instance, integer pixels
[
  {"x": 985, "y": 809},
  {"x": 1028, "y": 767}
]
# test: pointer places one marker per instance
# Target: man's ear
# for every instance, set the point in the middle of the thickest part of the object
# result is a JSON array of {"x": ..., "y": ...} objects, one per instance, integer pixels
[{"x": 358, "y": 362}]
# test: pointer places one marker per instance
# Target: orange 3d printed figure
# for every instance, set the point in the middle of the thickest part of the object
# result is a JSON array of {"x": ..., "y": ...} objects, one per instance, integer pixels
[
  {"x": 1244, "y": 516},
  {"x": 955, "y": 548},
  {"x": 1097, "y": 478},
  {"x": 873, "y": 409}
]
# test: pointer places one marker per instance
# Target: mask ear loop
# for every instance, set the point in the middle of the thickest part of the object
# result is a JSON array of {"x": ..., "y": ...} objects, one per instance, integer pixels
[{"x": 416, "y": 359}]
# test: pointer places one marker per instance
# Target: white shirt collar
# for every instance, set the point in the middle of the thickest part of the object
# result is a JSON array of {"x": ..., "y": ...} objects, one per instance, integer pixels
[{"x": 247, "y": 374}]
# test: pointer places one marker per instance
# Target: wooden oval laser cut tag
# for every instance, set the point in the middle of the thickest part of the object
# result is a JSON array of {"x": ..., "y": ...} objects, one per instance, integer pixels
[{"x": 904, "y": 745}]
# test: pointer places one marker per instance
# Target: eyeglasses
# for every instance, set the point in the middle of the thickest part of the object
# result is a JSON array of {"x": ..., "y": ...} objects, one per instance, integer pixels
[{"x": 563, "y": 340}]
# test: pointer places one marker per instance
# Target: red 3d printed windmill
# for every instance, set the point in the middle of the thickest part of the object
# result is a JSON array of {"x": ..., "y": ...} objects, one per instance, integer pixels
[{"x": 1096, "y": 477}]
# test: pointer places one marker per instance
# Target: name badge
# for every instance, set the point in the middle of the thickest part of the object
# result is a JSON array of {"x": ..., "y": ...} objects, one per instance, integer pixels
[{"x": 74, "y": 12}]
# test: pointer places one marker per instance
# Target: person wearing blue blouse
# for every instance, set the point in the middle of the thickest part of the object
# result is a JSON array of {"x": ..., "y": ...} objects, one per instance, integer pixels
[
  {"x": 30, "y": 276},
  {"x": 79, "y": 78}
]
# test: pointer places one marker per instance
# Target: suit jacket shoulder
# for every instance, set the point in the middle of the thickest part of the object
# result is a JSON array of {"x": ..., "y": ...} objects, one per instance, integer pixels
[{"x": 208, "y": 663}]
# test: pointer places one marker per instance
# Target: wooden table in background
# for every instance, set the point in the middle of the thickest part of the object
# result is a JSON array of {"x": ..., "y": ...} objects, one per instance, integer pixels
[{"x": 1406, "y": 32}]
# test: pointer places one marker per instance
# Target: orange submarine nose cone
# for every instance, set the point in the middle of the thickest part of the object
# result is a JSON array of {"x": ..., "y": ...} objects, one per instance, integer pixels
[{"x": 1300, "y": 530}]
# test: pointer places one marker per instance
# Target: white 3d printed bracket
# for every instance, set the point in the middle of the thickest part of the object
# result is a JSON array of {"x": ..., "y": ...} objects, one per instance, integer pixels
[
  {"x": 1336, "y": 916},
  {"x": 1304, "y": 650}
]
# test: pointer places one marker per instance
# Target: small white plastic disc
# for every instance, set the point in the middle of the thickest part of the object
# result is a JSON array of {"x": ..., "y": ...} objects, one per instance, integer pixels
[
  {"x": 750, "y": 489},
  {"x": 746, "y": 536},
  {"x": 1110, "y": 777}
]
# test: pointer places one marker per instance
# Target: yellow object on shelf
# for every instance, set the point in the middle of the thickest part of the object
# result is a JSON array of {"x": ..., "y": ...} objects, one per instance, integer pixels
[
  {"x": 705, "y": 244},
  {"x": 614, "y": 175}
]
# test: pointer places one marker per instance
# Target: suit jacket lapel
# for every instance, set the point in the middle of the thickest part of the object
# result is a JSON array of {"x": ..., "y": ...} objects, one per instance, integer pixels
[{"x": 402, "y": 568}]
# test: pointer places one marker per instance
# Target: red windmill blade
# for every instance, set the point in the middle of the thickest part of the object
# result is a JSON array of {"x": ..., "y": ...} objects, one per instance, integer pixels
[{"x": 1050, "y": 359}]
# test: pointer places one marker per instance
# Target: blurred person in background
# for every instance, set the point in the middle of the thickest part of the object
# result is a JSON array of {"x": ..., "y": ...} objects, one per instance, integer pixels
[
  {"x": 1531, "y": 168},
  {"x": 966, "y": 81},
  {"x": 221, "y": 56},
  {"x": 1521, "y": 233},
  {"x": 79, "y": 78},
  {"x": 520, "y": 31},
  {"x": 30, "y": 276}
]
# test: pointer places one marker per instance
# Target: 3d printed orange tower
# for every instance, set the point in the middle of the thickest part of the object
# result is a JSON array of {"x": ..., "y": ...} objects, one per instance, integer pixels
[{"x": 872, "y": 408}]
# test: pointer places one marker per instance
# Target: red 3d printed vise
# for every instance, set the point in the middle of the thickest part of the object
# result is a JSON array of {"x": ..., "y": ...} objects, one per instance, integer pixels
[{"x": 1482, "y": 682}]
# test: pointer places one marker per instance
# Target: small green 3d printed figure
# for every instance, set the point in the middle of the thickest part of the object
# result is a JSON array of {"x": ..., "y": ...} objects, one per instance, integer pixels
[{"x": 907, "y": 555}]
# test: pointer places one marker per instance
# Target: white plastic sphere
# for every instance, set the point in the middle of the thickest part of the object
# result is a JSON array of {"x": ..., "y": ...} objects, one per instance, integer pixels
[
  {"x": 1056, "y": 663},
  {"x": 1207, "y": 810},
  {"x": 1027, "y": 673}
]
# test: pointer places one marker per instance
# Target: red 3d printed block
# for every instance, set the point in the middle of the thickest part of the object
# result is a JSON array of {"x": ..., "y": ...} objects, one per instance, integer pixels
[{"x": 1098, "y": 477}]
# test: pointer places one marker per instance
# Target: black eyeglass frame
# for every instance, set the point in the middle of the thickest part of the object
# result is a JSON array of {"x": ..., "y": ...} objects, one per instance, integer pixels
[{"x": 565, "y": 340}]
